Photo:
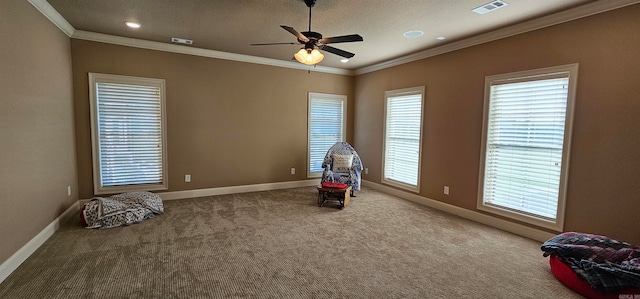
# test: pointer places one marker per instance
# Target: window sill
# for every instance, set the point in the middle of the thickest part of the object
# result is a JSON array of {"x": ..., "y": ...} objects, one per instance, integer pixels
[
  {"x": 132, "y": 188},
  {"x": 401, "y": 185},
  {"x": 556, "y": 225}
]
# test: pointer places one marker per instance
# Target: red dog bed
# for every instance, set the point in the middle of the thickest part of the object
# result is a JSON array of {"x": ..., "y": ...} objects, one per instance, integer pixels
[
  {"x": 567, "y": 277},
  {"x": 604, "y": 269}
]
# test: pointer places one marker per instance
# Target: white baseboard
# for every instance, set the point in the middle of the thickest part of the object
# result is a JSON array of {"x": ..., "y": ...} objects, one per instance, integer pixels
[
  {"x": 23, "y": 253},
  {"x": 237, "y": 189},
  {"x": 230, "y": 190},
  {"x": 505, "y": 225},
  {"x": 28, "y": 249}
]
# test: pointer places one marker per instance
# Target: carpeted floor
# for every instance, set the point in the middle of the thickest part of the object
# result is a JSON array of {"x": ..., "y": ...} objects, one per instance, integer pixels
[{"x": 280, "y": 244}]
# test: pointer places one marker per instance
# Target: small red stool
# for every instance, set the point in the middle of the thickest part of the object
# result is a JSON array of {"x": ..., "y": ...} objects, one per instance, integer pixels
[{"x": 342, "y": 195}]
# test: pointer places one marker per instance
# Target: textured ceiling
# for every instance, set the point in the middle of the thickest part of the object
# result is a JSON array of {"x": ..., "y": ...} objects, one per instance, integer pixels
[{"x": 231, "y": 25}]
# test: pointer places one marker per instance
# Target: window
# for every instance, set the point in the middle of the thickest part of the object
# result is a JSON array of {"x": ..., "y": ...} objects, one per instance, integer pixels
[
  {"x": 127, "y": 133},
  {"x": 327, "y": 125},
  {"x": 526, "y": 134},
  {"x": 403, "y": 138}
]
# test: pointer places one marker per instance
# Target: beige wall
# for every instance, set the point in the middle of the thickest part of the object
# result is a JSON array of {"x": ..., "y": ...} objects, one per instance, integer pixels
[
  {"x": 228, "y": 123},
  {"x": 37, "y": 145},
  {"x": 603, "y": 188},
  {"x": 233, "y": 123}
]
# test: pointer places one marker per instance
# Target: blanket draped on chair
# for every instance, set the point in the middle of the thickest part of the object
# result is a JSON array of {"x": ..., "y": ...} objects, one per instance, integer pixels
[{"x": 350, "y": 175}]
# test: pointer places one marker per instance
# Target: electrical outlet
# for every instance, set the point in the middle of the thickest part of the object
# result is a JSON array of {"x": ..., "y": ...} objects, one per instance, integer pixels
[
  {"x": 68, "y": 190},
  {"x": 446, "y": 190},
  {"x": 187, "y": 178},
  {"x": 293, "y": 170},
  {"x": 366, "y": 170}
]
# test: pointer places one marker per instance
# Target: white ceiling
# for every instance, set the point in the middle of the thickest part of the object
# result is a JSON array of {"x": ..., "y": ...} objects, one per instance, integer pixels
[{"x": 232, "y": 25}]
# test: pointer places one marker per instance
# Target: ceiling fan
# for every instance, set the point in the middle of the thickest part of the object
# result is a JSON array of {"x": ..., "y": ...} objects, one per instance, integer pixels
[{"x": 313, "y": 41}]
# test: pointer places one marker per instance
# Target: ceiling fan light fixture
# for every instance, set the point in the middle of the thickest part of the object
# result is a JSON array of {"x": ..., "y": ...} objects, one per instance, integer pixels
[
  {"x": 311, "y": 40},
  {"x": 308, "y": 56}
]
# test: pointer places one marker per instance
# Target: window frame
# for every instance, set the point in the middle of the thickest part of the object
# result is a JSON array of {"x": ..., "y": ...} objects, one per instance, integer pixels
[
  {"x": 571, "y": 71},
  {"x": 94, "y": 79},
  {"x": 329, "y": 97},
  {"x": 395, "y": 93}
]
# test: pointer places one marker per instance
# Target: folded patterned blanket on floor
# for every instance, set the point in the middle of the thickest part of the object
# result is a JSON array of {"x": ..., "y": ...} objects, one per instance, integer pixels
[
  {"x": 606, "y": 264},
  {"x": 122, "y": 209}
]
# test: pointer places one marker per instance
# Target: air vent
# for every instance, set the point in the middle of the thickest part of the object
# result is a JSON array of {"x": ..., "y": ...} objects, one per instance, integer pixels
[
  {"x": 491, "y": 6},
  {"x": 181, "y": 41}
]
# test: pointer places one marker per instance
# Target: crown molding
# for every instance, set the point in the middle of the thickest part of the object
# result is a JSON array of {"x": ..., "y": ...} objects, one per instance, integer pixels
[
  {"x": 561, "y": 17},
  {"x": 159, "y": 46},
  {"x": 56, "y": 18},
  {"x": 539, "y": 23}
]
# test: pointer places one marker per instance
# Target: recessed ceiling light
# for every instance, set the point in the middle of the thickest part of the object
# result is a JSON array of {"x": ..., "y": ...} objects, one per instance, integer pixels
[
  {"x": 344, "y": 60},
  {"x": 441, "y": 38},
  {"x": 413, "y": 33},
  {"x": 132, "y": 24}
]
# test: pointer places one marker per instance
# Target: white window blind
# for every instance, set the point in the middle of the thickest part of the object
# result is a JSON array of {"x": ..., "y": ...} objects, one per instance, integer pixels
[
  {"x": 326, "y": 127},
  {"x": 129, "y": 134},
  {"x": 403, "y": 137},
  {"x": 525, "y": 145}
]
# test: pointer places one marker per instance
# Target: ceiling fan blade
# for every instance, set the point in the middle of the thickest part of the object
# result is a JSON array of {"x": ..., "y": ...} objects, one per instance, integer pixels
[
  {"x": 342, "y": 39},
  {"x": 296, "y": 33},
  {"x": 269, "y": 44},
  {"x": 337, "y": 51}
]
